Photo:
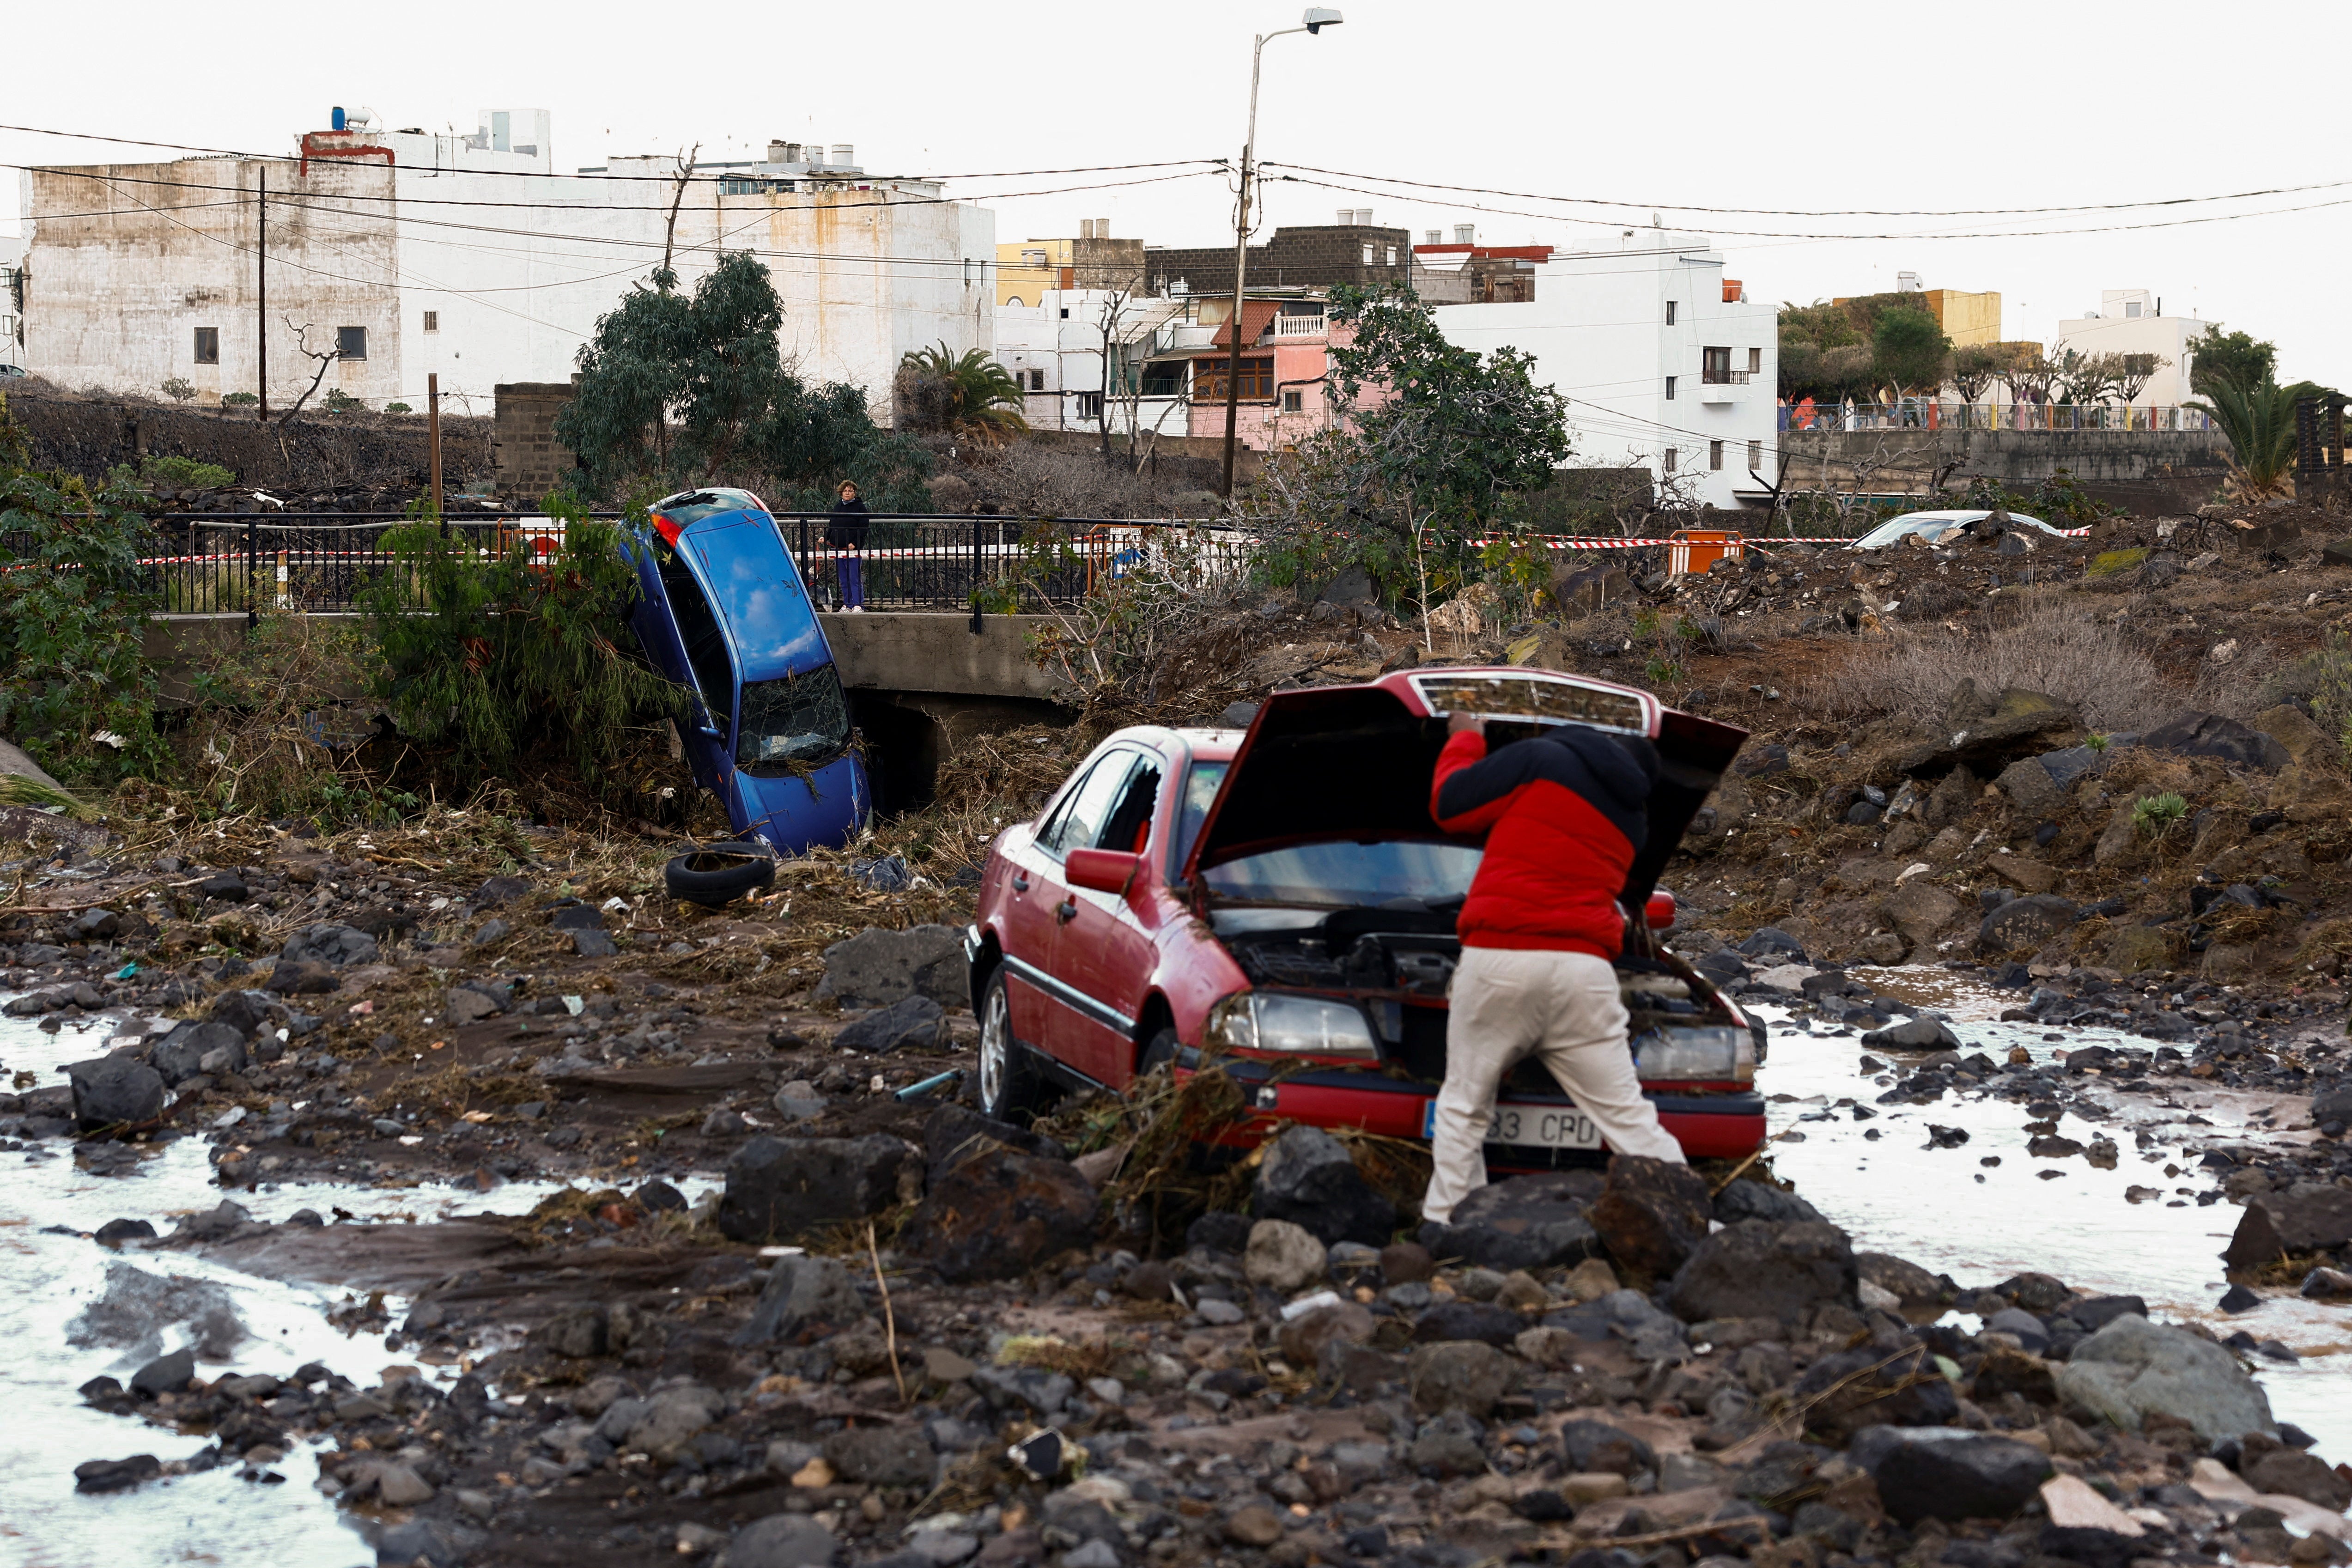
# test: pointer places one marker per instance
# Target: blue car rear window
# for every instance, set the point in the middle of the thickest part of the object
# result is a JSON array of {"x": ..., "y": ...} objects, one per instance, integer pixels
[
  {"x": 696, "y": 505},
  {"x": 799, "y": 719}
]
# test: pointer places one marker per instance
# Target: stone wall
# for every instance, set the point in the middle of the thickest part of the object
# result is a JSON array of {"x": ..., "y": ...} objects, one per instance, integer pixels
[
  {"x": 1294, "y": 258},
  {"x": 2145, "y": 470},
  {"x": 530, "y": 460}
]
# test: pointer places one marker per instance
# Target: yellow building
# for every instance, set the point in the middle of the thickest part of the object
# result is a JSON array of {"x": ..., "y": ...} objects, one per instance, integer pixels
[
  {"x": 1967, "y": 319},
  {"x": 1026, "y": 269}
]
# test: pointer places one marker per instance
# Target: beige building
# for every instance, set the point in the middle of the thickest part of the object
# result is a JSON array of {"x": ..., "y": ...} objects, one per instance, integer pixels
[
  {"x": 1969, "y": 320},
  {"x": 1027, "y": 270}
]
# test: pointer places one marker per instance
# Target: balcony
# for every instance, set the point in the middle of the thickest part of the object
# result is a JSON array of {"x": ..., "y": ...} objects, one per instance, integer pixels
[{"x": 1300, "y": 327}]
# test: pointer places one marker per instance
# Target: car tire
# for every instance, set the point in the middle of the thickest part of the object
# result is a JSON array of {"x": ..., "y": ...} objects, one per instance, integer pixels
[
  {"x": 1011, "y": 1089},
  {"x": 717, "y": 874},
  {"x": 1159, "y": 1051}
]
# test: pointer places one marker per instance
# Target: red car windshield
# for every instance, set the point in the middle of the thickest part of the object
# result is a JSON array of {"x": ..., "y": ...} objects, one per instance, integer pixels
[{"x": 1393, "y": 874}]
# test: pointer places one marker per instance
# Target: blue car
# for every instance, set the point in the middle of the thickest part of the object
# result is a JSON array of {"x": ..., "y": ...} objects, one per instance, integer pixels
[{"x": 723, "y": 611}]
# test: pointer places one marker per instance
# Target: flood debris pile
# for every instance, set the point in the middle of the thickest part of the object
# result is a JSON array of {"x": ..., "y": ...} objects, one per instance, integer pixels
[{"x": 1582, "y": 1364}]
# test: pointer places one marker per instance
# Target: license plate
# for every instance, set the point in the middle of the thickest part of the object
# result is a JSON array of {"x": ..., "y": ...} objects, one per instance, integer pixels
[{"x": 1529, "y": 1126}]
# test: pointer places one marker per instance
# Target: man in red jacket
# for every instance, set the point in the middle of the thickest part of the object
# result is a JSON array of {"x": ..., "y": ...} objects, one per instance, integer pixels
[{"x": 1564, "y": 813}]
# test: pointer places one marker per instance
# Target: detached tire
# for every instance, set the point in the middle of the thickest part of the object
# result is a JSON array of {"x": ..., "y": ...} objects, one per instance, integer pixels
[{"x": 717, "y": 874}]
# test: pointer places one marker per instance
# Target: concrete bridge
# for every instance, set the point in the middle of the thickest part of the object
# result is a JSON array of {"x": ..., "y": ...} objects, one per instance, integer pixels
[{"x": 919, "y": 682}]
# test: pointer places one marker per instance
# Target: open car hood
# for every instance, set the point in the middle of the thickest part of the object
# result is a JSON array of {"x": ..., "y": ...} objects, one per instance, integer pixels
[{"x": 1355, "y": 761}]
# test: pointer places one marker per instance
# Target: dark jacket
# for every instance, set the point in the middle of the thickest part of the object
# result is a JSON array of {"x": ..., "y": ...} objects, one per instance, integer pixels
[
  {"x": 1564, "y": 814},
  {"x": 846, "y": 527}
]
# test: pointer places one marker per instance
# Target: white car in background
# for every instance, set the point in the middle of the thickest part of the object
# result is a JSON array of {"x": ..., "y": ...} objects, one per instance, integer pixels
[{"x": 1934, "y": 525}]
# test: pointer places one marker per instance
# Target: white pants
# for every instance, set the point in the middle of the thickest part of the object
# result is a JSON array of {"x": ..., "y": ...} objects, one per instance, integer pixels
[{"x": 1562, "y": 1006}]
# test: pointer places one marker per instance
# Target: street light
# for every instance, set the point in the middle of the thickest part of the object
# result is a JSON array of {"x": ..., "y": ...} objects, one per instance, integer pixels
[{"x": 1316, "y": 18}]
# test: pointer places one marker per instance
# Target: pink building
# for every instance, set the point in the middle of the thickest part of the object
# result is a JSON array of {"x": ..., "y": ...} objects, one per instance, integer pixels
[{"x": 1285, "y": 371}]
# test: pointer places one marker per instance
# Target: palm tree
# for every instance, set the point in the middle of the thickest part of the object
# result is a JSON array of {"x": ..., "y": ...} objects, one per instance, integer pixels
[
  {"x": 971, "y": 393},
  {"x": 2259, "y": 421}
]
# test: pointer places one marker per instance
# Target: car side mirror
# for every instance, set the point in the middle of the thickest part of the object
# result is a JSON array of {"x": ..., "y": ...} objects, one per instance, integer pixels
[
  {"x": 1659, "y": 911},
  {"x": 1112, "y": 871}
]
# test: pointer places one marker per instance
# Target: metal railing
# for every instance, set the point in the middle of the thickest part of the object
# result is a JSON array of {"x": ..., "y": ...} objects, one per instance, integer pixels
[
  {"x": 1931, "y": 414},
  {"x": 219, "y": 563}
]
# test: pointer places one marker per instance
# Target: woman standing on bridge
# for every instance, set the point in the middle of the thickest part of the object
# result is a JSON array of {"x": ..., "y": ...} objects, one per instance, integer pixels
[{"x": 845, "y": 531}]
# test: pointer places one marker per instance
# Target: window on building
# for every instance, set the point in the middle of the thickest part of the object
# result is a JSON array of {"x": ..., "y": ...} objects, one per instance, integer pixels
[
  {"x": 1256, "y": 380},
  {"x": 1756, "y": 362},
  {"x": 1670, "y": 387},
  {"x": 1670, "y": 313},
  {"x": 1165, "y": 379},
  {"x": 1714, "y": 456},
  {"x": 1670, "y": 459},
  {"x": 1065, "y": 312},
  {"x": 1090, "y": 404},
  {"x": 351, "y": 343},
  {"x": 1013, "y": 303},
  {"x": 1293, "y": 402},
  {"x": 1036, "y": 381},
  {"x": 1714, "y": 366},
  {"x": 208, "y": 345},
  {"x": 1392, "y": 256},
  {"x": 432, "y": 320},
  {"x": 1368, "y": 256},
  {"x": 1755, "y": 454}
]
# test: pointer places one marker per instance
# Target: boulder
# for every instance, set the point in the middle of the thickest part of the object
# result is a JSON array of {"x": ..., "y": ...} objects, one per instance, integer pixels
[
  {"x": 1920, "y": 910},
  {"x": 1772, "y": 944},
  {"x": 1458, "y": 1320},
  {"x": 1887, "y": 1382},
  {"x": 1650, "y": 1213},
  {"x": 2269, "y": 1466},
  {"x": 245, "y": 1011},
  {"x": 1755, "y": 1269},
  {"x": 166, "y": 1374},
  {"x": 804, "y": 1297},
  {"x": 1745, "y": 1199},
  {"x": 2292, "y": 728},
  {"x": 1309, "y": 1178},
  {"x": 2194, "y": 734},
  {"x": 2029, "y": 785},
  {"x": 1466, "y": 1375},
  {"x": 790, "y": 1187},
  {"x": 180, "y": 1055},
  {"x": 1000, "y": 1217},
  {"x": 2132, "y": 1369},
  {"x": 1524, "y": 1222},
  {"x": 335, "y": 945},
  {"x": 1282, "y": 1256},
  {"x": 882, "y": 1457},
  {"x": 877, "y": 967},
  {"x": 1303, "y": 1339},
  {"x": 1592, "y": 1447},
  {"x": 2024, "y": 924},
  {"x": 469, "y": 1004},
  {"x": 1948, "y": 1472},
  {"x": 2309, "y": 1217},
  {"x": 1920, "y": 1034},
  {"x": 110, "y": 1091},
  {"x": 915, "y": 1021},
  {"x": 1989, "y": 736},
  {"x": 952, "y": 1134},
  {"x": 783, "y": 1541},
  {"x": 2133, "y": 949},
  {"x": 1906, "y": 1281},
  {"x": 115, "y": 1475}
]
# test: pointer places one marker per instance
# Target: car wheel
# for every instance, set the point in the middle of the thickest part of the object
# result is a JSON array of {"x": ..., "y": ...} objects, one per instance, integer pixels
[
  {"x": 1010, "y": 1087},
  {"x": 719, "y": 874},
  {"x": 1159, "y": 1051}
]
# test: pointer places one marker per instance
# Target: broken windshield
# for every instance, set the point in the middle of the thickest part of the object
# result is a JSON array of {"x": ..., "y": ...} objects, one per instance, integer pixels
[
  {"x": 695, "y": 505},
  {"x": 800, "y": 719}
]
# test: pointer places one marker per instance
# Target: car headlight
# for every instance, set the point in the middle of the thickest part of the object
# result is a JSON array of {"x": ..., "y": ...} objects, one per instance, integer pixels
[
  {"x": 1278, "y": 1021},
  {"x": 1714, "y": 1054}
]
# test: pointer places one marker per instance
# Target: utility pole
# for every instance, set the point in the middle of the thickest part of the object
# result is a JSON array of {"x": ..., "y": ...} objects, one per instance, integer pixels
[
  {"x": 433, "y": 440},
  {"x": 261, "y": 293},
  {"x": 1316, "y": 18}
]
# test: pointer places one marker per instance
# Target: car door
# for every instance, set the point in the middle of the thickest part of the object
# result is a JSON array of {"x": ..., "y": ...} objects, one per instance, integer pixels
[
  {"x": 1066, "y": 1034},
  {"x": 1103, "y": 954},
  {"x": 1034, "y": 892}
]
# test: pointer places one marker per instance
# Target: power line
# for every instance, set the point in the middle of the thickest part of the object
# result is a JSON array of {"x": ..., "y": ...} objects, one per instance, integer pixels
[
  {"x": 553, "y": 174},
  {"x": 1822, "y": 211}
]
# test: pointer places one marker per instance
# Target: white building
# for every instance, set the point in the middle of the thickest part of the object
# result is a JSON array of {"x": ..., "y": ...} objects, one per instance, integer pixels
[
  {"x": 1665, "y": 364},
  {"x": 1054, "y": 350},
  {"x": 2132, "y": 321},
  {"x": 11, "y": 283},
  {"x": 413, "y": 253}
]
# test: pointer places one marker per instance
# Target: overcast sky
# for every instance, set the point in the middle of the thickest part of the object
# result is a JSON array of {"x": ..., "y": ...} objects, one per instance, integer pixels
[{"x": 1710, "y": 105}]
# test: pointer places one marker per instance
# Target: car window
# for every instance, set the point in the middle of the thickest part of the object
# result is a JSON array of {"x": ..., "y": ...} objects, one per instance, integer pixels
[
  {"x": 1348, "y": 874},
  {"x": 799, "y": 719},
  {"x": 1080, "y": 822},
  {"x": 1129, "y": 826},
  {"x": 696, "y": 505},
  {"x": 706, "y": 646},
  {"x": 1201, "y": 785}
]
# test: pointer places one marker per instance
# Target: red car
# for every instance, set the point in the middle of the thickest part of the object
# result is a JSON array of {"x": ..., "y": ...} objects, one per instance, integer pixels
[{"x": 1282, "y": 900}]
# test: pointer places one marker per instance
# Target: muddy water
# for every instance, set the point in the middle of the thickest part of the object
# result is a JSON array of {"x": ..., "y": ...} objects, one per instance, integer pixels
[
  {"x": 47, "y": 1281},
  {"x": 1950, "y": 1212}
]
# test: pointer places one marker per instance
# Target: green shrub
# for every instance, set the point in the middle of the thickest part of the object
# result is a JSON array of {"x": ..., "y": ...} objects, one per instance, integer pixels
[
  {"x": 398, "y": 408},
  {"x": 2156, "y": 814},
  {"x": 238, "y": 400},
  {"x": 76, "y": 690},
  {"x": 155, "y": 473},
  {"x": 504, "y": 656},
  {"x": 340, "y": 401}
]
